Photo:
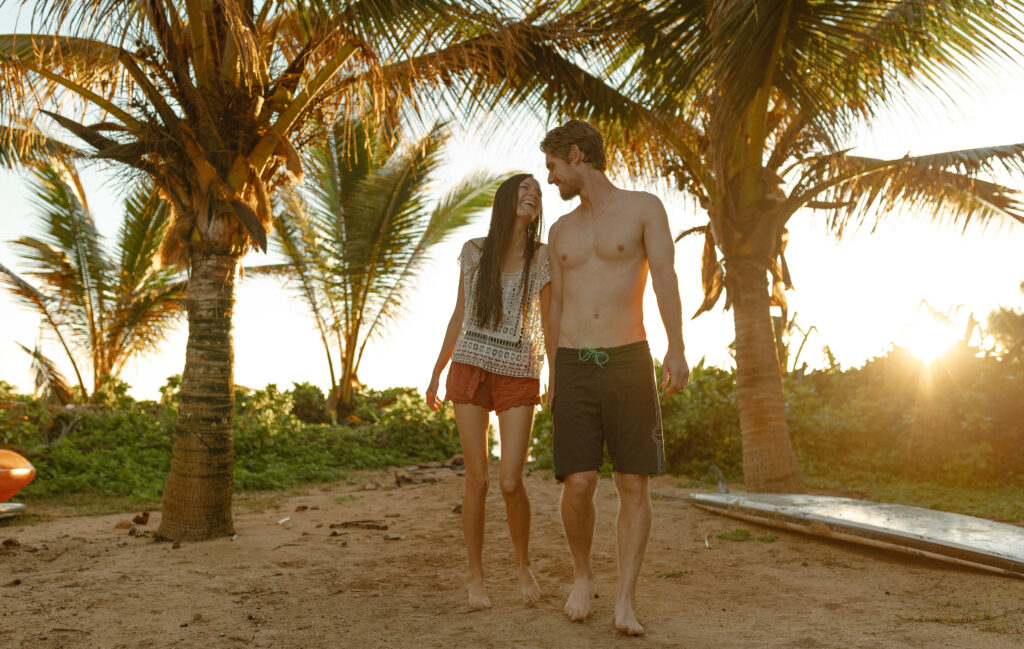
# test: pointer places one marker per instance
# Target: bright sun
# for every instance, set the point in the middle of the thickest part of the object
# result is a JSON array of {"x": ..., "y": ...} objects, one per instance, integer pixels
[{"x": 928, "y": 338}]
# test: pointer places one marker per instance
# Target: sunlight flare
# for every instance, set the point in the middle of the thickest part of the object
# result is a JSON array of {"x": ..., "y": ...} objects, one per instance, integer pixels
[{"x": 928, "y": 338}]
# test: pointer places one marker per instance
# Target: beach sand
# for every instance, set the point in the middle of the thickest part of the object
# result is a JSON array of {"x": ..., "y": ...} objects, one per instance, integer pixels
[{"x": 79, "y": 581}]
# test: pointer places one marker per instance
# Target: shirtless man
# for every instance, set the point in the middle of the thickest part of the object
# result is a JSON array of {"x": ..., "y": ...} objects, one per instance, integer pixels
[{"x": 604, "y": 388}]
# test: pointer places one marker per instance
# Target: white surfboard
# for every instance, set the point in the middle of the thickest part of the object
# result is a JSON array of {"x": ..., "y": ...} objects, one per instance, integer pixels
[
  {"x": 945, "y": 536},
  {"x": 8, "y": 510}
]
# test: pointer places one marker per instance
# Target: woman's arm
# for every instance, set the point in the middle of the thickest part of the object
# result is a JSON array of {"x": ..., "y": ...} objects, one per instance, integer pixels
[{"x": 447, "y": 347}]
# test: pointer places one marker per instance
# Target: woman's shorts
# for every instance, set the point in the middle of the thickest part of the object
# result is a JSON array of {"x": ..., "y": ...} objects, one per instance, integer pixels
[{"x": 475, "y": 385}]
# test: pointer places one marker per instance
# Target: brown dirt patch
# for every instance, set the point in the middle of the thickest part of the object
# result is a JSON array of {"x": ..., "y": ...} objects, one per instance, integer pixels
[{"x": 84, "y": 583}]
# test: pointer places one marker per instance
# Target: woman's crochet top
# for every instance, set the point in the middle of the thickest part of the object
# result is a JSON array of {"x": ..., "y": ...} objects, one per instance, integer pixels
[{"x": 516, "y": 347}]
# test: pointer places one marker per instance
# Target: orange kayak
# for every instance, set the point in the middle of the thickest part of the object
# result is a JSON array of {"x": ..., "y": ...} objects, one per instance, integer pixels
[{"x": 15, "y": 473}]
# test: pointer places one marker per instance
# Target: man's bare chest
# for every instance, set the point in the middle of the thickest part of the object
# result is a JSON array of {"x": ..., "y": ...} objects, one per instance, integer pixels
[{"x": 600, "y": 241}]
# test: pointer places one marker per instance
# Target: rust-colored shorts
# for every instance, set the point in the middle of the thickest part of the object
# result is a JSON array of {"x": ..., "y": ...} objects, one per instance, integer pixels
[{"x": 471, "y": 384}]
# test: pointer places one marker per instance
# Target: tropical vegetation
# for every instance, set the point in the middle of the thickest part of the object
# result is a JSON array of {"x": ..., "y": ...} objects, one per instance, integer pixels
[
  {"x": 103, "y": 307},
  {"x": 360, "y": 229},
  {"x": 946, "y": 435},
  {"x": 214, "y": 102},
  {"x": 750, "y": 107}
]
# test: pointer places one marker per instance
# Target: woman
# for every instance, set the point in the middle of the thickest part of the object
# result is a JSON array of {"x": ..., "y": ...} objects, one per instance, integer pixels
[{"x": 495, "y": 339}]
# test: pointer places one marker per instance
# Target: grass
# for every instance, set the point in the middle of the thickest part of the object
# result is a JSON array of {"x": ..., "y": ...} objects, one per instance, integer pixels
[
  {"x": 83, "y": 504},
  {"x": 26, "y": 520},
  {"x": 984, "y": 619},
  {"x": 1001, "y": 503},
  {"x": 740, "y": 534}
]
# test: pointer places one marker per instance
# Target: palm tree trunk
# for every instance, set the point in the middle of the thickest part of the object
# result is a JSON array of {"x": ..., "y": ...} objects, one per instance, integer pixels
[
  {"x": 346, "y": 389},
  {"x": 769, "y": 464},
  {"x": 197, "y": 499}
]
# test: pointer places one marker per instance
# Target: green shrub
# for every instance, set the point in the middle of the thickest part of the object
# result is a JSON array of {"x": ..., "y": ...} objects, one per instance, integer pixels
[
  {"x": 309, "y": 404},
  {"x": 123, "y": 447},
  {"x": 700, "y": 427}
]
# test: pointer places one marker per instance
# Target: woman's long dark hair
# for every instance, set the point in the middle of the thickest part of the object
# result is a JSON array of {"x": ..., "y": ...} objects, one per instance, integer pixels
[{"x": 488, "y": 307}]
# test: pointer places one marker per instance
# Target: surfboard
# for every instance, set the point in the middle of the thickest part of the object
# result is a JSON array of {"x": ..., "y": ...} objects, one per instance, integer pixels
[
  {"x": 9, "y": 510},
  {"x": 955, "y": 538}
]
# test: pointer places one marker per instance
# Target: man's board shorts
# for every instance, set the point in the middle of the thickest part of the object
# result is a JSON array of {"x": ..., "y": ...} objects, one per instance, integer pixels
[
  {"x": 607, "y": 396},
  {"x": 471, "y": 384}
]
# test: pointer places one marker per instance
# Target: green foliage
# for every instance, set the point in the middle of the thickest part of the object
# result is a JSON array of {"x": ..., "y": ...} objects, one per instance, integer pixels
[
  {"x": 740, "y": 534},
  {"x": 958, "y": 422},
  {"x": 700, "y": 426},
  {"x": 122, "y": 447},
  {"x": 309, "y": 404},
  {"x": 949, "y": 436}
]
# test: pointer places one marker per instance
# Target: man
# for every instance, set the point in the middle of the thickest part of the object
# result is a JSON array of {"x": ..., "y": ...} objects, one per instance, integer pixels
[{"x": 604, "y": 389}]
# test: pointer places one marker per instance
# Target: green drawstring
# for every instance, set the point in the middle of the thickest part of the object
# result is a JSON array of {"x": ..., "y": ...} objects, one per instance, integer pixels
[{"x": 600, "y": 357}]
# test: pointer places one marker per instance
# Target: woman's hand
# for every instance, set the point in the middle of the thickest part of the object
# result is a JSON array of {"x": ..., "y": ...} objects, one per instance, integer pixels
[{"x": 432, "y": 401}]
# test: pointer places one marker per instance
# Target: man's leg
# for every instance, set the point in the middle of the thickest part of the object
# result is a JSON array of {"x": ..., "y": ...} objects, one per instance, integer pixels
[
  {"x": 634, "y": 528},
  {"x": 472, "y": 423},
  {"x": 515, "y": 426},
  {"x": 578, "y": 520}
]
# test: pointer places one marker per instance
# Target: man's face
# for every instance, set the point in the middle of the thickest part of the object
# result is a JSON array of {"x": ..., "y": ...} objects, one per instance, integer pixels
[{"x": 563, "y": 175}]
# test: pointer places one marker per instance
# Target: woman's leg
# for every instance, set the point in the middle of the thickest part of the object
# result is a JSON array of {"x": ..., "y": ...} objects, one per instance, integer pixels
[
  {"x": 472, "y": 422},
  {"x": 515, "y": 426}
]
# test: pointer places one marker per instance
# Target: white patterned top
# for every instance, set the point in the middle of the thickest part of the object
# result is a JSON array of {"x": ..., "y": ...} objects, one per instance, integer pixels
[{"x": 516, "y": 348}]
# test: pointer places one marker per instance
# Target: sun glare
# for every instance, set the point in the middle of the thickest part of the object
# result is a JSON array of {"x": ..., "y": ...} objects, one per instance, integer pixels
[{"x": 928, "y": 338}]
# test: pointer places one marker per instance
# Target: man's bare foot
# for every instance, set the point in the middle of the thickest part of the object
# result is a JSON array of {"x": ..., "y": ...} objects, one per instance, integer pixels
[
  {"x": 577, "y": 607},
  {"x": 528, "y": 586},
  {"x": 478, "y": 595},
  {"x": 625, "y": 619}
]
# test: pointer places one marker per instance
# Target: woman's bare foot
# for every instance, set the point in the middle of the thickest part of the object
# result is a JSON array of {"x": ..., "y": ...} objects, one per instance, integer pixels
[
  {"x": 625, "y": 618},
  {"x": 478, "y": 595},
  {"x": 528, "y": 586},
  {"x": 577, "y": 607}
]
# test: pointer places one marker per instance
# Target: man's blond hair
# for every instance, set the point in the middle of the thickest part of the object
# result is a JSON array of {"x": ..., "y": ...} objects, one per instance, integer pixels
[{"x": 588, "y": 139}]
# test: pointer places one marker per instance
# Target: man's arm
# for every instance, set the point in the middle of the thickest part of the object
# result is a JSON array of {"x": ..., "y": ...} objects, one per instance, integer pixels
[
  {"x": 661, "y": 253},
  {"x": 554, "y": 316}
]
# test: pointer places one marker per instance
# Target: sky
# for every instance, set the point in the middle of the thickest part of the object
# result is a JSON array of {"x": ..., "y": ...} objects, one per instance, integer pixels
[{"x": 861, "y": 295}]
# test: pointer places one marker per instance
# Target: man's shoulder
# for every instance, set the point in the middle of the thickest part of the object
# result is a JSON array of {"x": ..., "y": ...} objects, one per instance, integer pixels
[
  {"x": 560, "y": 223},
  {"x": 640, "y": 199}
]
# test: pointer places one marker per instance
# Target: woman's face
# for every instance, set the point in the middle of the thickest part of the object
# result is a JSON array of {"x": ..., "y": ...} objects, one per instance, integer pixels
[{"x": 528, "y": 205}]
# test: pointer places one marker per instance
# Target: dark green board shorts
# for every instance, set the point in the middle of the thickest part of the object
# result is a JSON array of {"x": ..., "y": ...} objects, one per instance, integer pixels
[{"x": 607, "y": 396}]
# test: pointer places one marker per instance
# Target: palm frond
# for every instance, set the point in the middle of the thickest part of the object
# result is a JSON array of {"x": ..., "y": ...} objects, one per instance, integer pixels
[
  {"x": 141, "y": 322},
  {"x": 50, "y": 383},
  {"x": 20, "y": 146},
  {"x": 145, "y": 219},
  {"x": 945, "y": 186},
  {"x": 36, "y": 300}
]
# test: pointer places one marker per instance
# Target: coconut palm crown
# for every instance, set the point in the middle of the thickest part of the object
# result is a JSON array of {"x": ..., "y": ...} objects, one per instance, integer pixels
[
  {"x": 102, "y": 308},
  {"x": 747, "y": 105},
  {"x": 214, "y": 100}
]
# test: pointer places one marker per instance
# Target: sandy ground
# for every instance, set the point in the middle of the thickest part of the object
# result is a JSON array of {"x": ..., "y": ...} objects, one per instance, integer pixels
[{"x": 81, "y": 582}]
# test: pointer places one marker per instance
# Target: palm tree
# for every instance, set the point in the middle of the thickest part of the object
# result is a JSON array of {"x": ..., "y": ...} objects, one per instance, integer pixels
[
  {"x": 104, "y": 308},
  {"x": 214, "y": 102},
  {"x": 748, "y": 105},
  {"x": 360, "y": 230},
  {"x": 1005, "y": 326}
]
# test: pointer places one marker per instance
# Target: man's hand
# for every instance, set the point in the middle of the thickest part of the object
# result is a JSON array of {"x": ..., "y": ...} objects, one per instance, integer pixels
[
  {"x": 432, "y": 401},
  {"x": 675, "y": 373}
]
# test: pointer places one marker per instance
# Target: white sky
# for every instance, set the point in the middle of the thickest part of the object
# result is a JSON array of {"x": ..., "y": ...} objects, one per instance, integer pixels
[{"x": 861, "y": 294}]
